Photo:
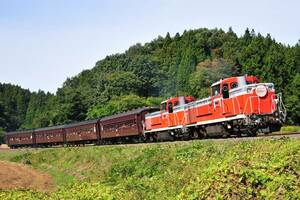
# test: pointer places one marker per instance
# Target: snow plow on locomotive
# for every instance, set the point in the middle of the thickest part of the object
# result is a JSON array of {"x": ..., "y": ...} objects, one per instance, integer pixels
[{"x": 236, "y": 106}]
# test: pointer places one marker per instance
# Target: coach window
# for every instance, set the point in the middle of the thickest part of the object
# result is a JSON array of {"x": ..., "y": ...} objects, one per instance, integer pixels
[
  {"x": 216, "y": 90},
  {"x": 163, "y": 106}
]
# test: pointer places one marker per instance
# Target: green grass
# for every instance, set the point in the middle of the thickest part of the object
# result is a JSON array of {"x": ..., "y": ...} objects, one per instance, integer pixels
[
  {"x": 290, "y": 129},
  {"x": 8, "y": 155},
  {"x": 262, "y": 169}
]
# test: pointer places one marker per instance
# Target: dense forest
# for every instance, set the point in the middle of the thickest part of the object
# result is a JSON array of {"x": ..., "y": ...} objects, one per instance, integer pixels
[{"x": 185, "y": 63}]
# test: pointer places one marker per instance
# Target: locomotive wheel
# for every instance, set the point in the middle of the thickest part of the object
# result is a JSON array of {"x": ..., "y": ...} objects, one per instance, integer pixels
[
  {"x": 252, "y": 133},
  {"x": 151, "y": 138},
  {"x": 197, "y": 134},
  {"x": 239, "y": 134}
]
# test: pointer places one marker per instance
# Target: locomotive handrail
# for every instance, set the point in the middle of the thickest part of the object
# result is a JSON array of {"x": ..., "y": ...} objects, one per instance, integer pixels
[
  {"x": 246, "y": 104},
  {"x": 152, "y": 114},
  {"x": 203, "y": 101},
  {"x": 281, "y": 107},
  {"x": 251, "y": 105},
  {"x": 178, "y": 107}
]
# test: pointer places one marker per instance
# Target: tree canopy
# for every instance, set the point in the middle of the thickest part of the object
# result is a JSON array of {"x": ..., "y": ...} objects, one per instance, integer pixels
[{"x": 186, "y": 63}]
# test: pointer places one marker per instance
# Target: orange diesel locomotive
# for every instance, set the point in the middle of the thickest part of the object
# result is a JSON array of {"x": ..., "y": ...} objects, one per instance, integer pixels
[{"x": 236, "y": 106}]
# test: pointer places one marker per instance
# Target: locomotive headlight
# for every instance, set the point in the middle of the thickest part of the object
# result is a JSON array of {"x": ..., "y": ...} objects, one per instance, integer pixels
[{"x": 261, "y": 91}]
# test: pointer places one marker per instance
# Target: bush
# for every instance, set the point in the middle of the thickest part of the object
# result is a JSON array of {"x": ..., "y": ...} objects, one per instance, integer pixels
[{"x": 2, "y": 134}]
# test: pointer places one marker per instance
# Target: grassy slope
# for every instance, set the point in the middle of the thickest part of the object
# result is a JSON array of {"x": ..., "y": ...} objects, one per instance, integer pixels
[
  {"x": 290, "y": 129},
  {"x": 264, "y": 169}
]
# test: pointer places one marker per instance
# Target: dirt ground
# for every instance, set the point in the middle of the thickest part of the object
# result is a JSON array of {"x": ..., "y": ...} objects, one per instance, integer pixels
[
  {"x": 18, "y": 176},
  {"x": 3, "y": 146}
]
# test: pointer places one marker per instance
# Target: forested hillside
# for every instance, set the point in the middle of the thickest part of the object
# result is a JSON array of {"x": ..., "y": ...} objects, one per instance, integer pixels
[
  {"x": 145, "y": 74},
  {"x": 20, "y": 108}
]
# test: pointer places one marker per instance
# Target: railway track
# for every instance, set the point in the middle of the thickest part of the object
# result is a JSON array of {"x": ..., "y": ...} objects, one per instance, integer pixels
[
  {"x": 281, "y": 134},
  {"x": 277, "y": 135}
]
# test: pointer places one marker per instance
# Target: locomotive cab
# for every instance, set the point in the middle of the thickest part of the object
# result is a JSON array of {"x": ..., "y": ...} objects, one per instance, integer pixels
[
  {"x": 223, "y": 87},
  {"x": 246, "y": 97},
  {"x": 174, "y": 102},
  {"x": 235, "y": 86}
]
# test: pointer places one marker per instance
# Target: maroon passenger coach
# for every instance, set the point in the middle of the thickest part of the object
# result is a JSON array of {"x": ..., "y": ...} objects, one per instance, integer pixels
[
  {"x": 85, "y": 132},
  {"x": 124, "y": 127},
  {"x": 20, "y": 139},
  {"x": 49, "y": 136},
  {"x": 128, "y": 126}
]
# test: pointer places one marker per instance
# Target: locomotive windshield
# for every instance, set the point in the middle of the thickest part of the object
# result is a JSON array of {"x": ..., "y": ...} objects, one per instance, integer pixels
[
  {"x": 216, "y": 90},
  {"x": 163, "y": 106}
]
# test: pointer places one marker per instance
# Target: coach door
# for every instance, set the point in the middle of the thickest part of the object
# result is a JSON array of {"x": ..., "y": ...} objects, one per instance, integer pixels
[
  {"x": 164, "y": 114},
  {"x": 225, "y": 98},
  {"x": 216, "y": 100},
  {"x": 171, "y": 119},
  {"x": 228, "y": 108}
]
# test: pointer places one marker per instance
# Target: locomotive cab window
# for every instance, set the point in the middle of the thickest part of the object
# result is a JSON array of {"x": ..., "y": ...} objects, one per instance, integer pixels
[
  {"x": 170, "y": 107},
  {"x": 163, "y": 106},
  {"x": 225, "y": 91},
  {"x": 176, "y": 103},
  {"x": 215, "y": 90}
]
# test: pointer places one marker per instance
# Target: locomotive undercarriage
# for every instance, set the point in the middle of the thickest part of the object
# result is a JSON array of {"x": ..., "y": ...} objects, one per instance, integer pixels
[
  {"x": 262, "y": 123},
  {"x": 249, "y": 126}
]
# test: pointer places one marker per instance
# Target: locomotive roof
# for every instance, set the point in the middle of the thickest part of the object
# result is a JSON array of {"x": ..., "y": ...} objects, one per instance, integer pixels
[
  {"x": 131, "y": 112},
  {"x": 251, "y": 77}
]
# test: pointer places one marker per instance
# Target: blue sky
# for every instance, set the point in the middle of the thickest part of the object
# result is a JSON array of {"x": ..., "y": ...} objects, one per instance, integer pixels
[{"x": 42, "y": 42}]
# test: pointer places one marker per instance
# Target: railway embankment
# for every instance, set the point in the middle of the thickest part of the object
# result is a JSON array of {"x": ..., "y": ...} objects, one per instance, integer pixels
[{"x": 266, "y": 168}]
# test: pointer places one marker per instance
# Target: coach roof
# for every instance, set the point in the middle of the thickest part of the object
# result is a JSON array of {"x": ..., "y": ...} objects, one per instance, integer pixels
[
  {"x": 131, "y": 112},
  {"x": 92, "y": 121},
  {"x": 19, "y": 132},
  {"x": 49, "y": 128}
]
